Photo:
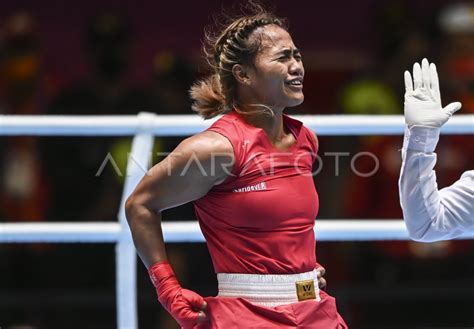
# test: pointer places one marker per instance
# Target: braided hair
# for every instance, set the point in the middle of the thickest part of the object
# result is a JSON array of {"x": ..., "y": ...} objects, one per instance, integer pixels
[{"x": 235, "y": 43}]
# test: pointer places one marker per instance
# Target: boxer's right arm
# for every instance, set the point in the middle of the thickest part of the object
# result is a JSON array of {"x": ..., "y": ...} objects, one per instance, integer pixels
[{"x": 188, "y": 173}]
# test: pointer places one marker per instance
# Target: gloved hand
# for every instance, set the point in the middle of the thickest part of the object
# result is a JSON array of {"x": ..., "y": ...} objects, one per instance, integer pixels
[
  {"x": 423, "y": 99},
  {"x": 186, "y": 307}
]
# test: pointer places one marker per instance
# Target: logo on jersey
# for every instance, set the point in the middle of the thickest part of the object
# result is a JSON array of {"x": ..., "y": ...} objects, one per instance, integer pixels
[
  {"x": 305, "y": 290},
  {"x": 257, "y": 187}
]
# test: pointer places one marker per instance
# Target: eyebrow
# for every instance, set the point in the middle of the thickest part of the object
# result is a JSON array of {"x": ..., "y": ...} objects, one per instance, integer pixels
[{"x": 287, "y": 51}]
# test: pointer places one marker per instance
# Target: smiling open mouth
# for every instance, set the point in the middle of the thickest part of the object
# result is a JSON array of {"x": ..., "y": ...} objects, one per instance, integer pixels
[{"x": 295, "y": 82}]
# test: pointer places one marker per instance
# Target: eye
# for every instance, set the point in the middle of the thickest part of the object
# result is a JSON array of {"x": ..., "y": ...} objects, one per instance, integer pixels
[
  {"x": 288, "y": 56},
  {"x": 297, "y": 53}
]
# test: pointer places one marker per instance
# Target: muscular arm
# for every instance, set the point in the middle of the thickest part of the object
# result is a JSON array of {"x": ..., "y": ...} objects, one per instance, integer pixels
[
  {"x": 432, "y": 215},
  {"x": 188, "y": 173}
]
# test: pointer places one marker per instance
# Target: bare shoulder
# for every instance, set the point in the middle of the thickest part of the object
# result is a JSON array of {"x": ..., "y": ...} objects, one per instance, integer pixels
[
  {"x": 207, "y": 142},
  {"x": 189, "y": 172},
  {"x": 207, "y": 151}
]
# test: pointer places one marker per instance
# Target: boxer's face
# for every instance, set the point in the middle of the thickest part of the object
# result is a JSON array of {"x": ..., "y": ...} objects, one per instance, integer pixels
[{"x": 276, "y": 78}]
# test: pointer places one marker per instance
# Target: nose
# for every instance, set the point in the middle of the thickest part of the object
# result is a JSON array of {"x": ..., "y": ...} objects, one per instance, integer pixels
[{"x": 296, "y": 67}]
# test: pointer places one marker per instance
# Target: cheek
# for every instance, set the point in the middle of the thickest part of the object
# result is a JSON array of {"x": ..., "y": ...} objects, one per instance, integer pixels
[
  {"x": 276, "y": 88},
  {"x": 269, "y": 84},
  {"x": 275, "y": 78},
  {"x": 270, "y": 80}
]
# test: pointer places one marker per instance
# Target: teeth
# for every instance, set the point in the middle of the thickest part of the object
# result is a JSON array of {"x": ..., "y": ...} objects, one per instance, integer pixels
[{"x": 296, "y": 83}]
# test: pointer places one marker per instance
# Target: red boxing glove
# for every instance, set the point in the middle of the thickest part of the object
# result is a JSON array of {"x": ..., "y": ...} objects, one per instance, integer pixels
[{"x": 184, "y": 305}]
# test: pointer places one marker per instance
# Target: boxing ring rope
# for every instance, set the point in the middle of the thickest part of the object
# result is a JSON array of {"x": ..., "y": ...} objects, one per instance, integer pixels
[
  {"x": 144, "y": 127},
  {"x": 325, "y": 229},
  {"x": 182, "y": 125}
]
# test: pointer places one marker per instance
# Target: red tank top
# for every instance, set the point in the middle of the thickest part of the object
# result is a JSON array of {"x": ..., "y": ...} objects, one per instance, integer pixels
[{"x": 260, "y": 219}]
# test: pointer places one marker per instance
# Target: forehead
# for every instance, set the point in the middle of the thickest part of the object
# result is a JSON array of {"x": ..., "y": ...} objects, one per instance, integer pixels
[{"x": 274, "y": 38}]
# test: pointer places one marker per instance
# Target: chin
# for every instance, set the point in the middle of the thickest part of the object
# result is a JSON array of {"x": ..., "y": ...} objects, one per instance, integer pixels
[{"x": 295, "y": 101}]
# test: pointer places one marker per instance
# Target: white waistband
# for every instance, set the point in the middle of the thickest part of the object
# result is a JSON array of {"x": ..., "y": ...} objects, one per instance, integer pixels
[{"x": 264, "y": 289}]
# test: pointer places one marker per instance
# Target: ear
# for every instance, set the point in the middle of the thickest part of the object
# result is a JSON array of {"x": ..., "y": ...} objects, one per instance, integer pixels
[{"x": 240, "y": 74}]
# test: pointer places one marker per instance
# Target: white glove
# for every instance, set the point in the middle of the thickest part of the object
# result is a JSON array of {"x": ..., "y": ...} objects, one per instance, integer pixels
[{"x": 423, "y": 104}]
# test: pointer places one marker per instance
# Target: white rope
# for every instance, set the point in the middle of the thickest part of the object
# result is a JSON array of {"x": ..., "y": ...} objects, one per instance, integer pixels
[
  {"x": 59, "y": 232},
  {"x": 184, "y": 125},
  {"x": 93, "y": 232}
]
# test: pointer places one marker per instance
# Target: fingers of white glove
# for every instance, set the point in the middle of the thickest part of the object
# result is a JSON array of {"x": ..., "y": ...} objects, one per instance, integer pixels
[
  {"x": 425, "y": 73},
  {"x": 417, "y": 75},
  {"x": 434, "y": 77},
  {"x": 435, "y": 83},
  {"x": 452, "y": 107},
  {"x": 408, "y": 82}
]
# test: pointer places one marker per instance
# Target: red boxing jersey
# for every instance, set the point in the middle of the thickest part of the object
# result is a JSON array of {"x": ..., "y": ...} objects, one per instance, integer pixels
[{"x": 260, "y": 219}]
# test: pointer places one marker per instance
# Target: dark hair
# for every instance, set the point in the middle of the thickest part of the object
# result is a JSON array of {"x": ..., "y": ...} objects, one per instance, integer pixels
[{"x": 223, "y": 48}]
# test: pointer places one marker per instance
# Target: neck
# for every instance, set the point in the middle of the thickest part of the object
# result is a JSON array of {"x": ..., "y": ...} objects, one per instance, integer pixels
[{"x": 271, "y": 124}]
